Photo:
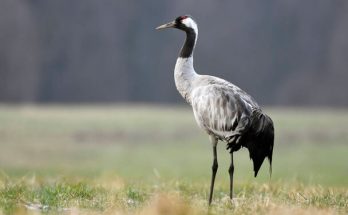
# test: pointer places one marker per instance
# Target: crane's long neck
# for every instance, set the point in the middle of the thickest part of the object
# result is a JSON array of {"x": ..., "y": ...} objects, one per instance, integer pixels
[
  {"x": 184, "y": 72},
  {"x": 189, "y": 45}
]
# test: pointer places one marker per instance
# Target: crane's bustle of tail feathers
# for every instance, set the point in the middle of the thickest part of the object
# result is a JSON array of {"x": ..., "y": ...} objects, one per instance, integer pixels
[{"x": 260, "y": 145}]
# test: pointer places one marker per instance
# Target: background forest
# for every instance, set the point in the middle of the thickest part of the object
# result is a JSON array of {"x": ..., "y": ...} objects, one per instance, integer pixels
[{"x": 288, "y": 52}]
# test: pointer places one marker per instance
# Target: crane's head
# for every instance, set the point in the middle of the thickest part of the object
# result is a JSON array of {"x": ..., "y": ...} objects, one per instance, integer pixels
[{"x": 184, "y": 23}]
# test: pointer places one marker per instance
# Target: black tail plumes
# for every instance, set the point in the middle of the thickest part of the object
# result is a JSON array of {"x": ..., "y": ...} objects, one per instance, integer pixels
[{"x": 260, "y": 140}]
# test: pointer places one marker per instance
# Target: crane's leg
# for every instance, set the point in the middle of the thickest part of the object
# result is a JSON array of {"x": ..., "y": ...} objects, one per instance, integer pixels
[
  {"x": 230, "y": 171},
  {"x": 214, "y": 141}
]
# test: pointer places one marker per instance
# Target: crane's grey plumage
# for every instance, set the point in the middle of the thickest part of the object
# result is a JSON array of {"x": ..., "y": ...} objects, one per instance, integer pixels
[{"x": 220, "y": 108}]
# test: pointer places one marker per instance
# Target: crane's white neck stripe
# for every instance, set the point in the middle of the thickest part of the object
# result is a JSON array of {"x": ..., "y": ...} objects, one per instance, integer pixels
[{"x": 191, "y": 24}]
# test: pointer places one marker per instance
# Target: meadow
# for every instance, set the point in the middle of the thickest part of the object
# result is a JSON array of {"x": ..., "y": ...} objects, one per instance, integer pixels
[{"x": 146, "y": 159}]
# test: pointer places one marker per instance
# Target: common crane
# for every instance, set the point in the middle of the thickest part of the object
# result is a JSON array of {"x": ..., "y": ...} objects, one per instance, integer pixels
[{"x": 220, "y": 108}]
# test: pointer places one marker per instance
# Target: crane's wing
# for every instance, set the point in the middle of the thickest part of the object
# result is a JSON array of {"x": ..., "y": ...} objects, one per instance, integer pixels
[
  {"x": 222, "y": 110},
  {"x": 232, "y": 115}
]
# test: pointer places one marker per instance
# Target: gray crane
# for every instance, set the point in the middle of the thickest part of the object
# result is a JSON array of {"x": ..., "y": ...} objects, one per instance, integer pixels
[{"x": 220, "y": 108}]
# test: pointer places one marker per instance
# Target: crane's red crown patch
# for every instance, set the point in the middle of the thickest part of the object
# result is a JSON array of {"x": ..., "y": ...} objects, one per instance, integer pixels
[{"x": 183, "y": 17}]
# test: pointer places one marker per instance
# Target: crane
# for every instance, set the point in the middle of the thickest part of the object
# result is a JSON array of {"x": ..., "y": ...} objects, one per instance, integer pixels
[{"x": 224, "y": 111}]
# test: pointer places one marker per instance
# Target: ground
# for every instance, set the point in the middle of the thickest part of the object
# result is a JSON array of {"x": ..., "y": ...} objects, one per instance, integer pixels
[{"x": 142, "y": 159}]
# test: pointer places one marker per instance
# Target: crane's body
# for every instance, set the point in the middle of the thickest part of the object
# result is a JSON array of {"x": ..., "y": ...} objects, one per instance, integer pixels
[
  {"x": 216, "y": 103},
  {"x": 220, "y": 108}
]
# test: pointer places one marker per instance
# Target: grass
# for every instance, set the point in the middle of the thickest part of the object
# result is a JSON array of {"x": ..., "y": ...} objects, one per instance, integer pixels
[
  {"x": 154, "y": 160},
  {"x": 111, "y": 196}
]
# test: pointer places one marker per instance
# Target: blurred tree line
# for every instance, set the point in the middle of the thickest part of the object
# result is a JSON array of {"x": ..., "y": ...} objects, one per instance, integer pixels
[{"x": 288, "y": 52}]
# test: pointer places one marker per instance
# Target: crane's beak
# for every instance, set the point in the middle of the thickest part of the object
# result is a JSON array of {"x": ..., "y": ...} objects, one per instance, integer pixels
[{"x": 168, "y": 25}]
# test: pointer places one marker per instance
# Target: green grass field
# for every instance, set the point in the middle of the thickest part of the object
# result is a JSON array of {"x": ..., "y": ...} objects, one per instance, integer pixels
[{"x": 143, "y": 159}]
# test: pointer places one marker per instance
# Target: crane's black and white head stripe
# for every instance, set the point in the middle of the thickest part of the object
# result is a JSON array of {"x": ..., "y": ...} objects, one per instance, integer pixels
[{"x": 187, "y": 24}]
